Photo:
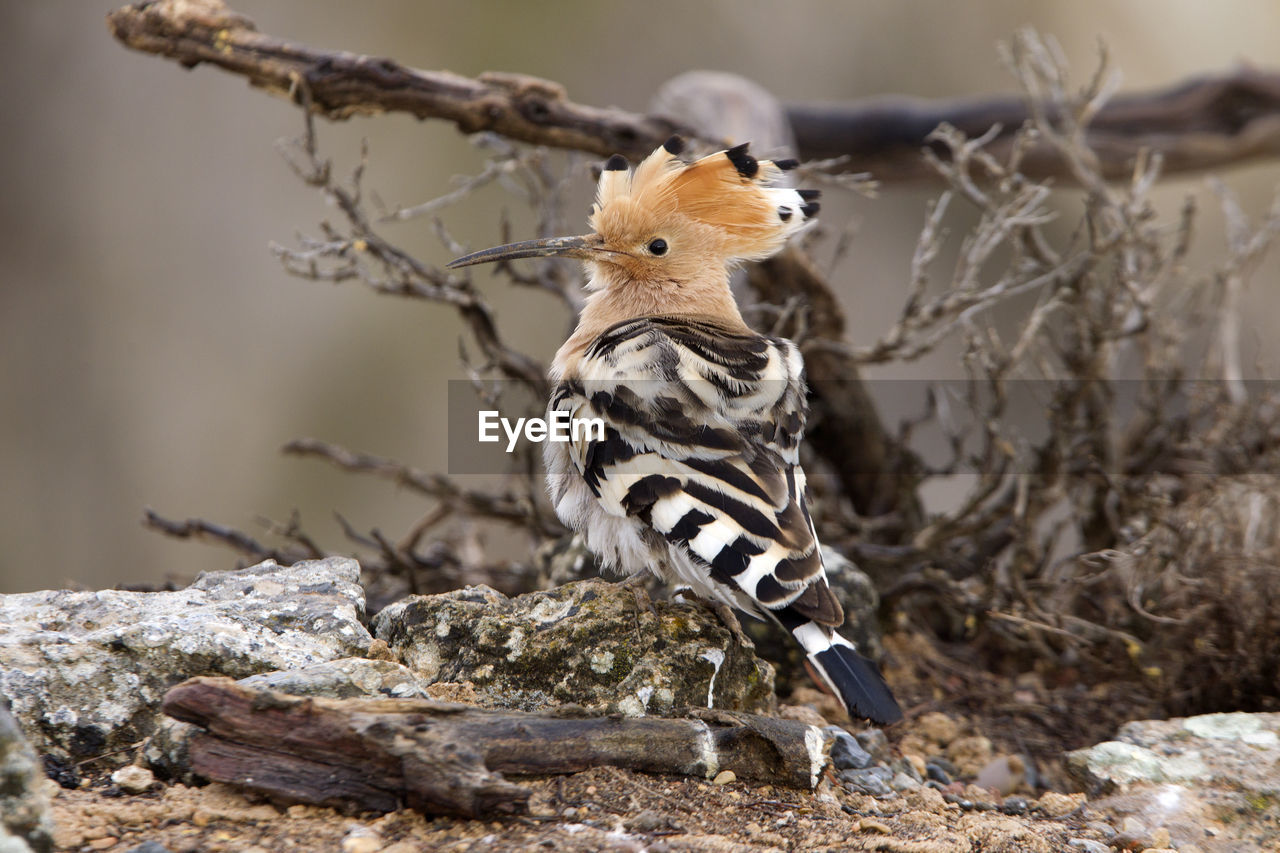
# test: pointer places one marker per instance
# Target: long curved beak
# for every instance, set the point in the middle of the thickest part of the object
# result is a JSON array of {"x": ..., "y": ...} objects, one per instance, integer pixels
[{"x": 568, "y": 247}]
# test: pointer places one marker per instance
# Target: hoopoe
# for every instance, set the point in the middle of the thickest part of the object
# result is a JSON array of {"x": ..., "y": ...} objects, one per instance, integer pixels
[{"x": 697, "y": 478}]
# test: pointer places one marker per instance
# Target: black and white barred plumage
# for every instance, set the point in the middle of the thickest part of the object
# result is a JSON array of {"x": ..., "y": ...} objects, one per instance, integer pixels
[{"x": 698, "y": 479}]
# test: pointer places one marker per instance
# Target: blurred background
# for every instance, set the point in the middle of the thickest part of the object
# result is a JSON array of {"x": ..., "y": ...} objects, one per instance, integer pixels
[{"x": 153, "y": 353}]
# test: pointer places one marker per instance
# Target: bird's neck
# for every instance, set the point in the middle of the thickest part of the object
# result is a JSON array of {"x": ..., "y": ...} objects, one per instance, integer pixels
[{"x": 708, "y": 298}]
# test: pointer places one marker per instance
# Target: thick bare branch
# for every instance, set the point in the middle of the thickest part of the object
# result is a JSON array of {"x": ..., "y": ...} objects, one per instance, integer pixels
[
  {"x": 1201, "y": 123},
  {"x": 345, "y": 84}
]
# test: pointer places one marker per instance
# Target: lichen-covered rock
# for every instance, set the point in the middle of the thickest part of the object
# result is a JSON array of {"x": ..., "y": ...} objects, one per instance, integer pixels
[
  {"x": 588, "y": 643},
  {"x": 85, "y": 671},
  {"x": 25, "y": 822},
  {"x": 1212, "y": 781}
]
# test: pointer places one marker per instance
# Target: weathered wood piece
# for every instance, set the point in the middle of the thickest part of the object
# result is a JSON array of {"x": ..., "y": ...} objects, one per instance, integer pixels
[
  {"x": 1202, "y": 123},
  {"x": 448, "y": 758}
]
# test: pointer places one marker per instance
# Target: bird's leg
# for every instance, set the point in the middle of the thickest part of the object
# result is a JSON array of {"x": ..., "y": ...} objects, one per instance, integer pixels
[
  {"x": 637, "y": 582},
  {"x": 730, "y": 621},
  {"x": 726, "y": 616}
]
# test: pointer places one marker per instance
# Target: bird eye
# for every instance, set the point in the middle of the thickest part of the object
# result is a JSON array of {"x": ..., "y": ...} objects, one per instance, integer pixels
[{"x": 658, "y": 246}]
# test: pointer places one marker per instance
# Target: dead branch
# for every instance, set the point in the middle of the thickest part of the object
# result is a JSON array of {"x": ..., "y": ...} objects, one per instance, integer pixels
[
  {"x": 447, "y": 758},
  {"x": 345, "y": 84},
  {"x": 1202, "y": 123},
  {"x": 365, "y": 255},
  {"x": 510, "y": 507},
  {"x": 238, "y": 541}
]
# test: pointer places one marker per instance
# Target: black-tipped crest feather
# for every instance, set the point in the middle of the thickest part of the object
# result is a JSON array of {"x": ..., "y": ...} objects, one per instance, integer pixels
[{"x": 746, "y": 165}]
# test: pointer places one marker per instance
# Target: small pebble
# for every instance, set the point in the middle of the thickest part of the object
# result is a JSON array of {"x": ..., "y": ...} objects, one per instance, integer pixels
[
  {"x": 938, "y": 727},
  {"x": 871, "y": 780},
  {"x": 904, "y": 782},
  {"x": 649, "y": 821},
  {"x": 846, "y": 752},
  {"x": 724, "y": 777},
  {"x": 939, "y": 770},
  {"x": 905, "y": 766},
  {"x": 134, "y": 779},
  {"x": 868, "y": 825},
  {"x": 1004, "y": 773},
  {"x": 875, "y": 742},
  {"x": 1015, "y": 805},
  {"x": 402, "y": 847},
  {"x": 1132, "y": 826},
  {"x": 1089, "y": 846},
  {"x": 1057, "y": 805},
  {"x": 361, "y": 839},
  {"x": 149, "y": 847}
]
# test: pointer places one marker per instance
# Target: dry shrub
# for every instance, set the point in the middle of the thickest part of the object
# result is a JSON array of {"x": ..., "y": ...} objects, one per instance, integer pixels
[{"x": 1130, "y": 532}]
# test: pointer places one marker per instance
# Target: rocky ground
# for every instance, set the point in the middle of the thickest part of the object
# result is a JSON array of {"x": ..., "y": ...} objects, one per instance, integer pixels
[{"x": 83, "y": 673}]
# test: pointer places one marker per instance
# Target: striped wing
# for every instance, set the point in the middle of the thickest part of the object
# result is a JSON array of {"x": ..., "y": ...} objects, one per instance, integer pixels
[{"x": 704, "y": 450}]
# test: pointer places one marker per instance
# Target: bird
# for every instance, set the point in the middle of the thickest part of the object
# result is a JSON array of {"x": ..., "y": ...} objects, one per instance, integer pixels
[{"x": 697, "y": 476}]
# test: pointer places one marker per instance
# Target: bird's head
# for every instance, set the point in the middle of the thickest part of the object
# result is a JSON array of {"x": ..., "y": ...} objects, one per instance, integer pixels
[{"x": 675, "y": 225}]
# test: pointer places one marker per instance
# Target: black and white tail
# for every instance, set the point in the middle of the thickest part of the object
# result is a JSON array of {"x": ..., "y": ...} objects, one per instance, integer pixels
[{"x": 855, "y": 679}]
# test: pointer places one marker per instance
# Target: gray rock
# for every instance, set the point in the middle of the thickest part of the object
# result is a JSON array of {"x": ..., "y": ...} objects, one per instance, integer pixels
[
  {"x": 589, "y": 643},
  {"x": 903, "y": 782},
  {"x": 167, "y": 752},
  {"x": 939, "y": 770},
  {"x": 846, "y": 752},
  {"x": 25, "y": 819},
  {"x": 902, "y": 765},
  {"x": 876, "y": 742},
  {"x": 1015, "y": 806},
  {"x": 1089, "y": 845},
  {"x": 1212, "y": 781},
  {"x": 1238, "y": 749},
  {"x": 871, "y": 780},
  {"x": 1112, "y": 764},
  {"x": 85, "y": 671}
]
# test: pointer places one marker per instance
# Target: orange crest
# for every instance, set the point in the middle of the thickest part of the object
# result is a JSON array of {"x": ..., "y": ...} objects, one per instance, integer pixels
[{"x": 726, "y": 195}]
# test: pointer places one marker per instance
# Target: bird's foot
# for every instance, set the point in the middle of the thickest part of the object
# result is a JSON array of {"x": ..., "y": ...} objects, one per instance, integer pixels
[
  {"x": 638, "y": 584},
  {"x": 730, "y": 620}
]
